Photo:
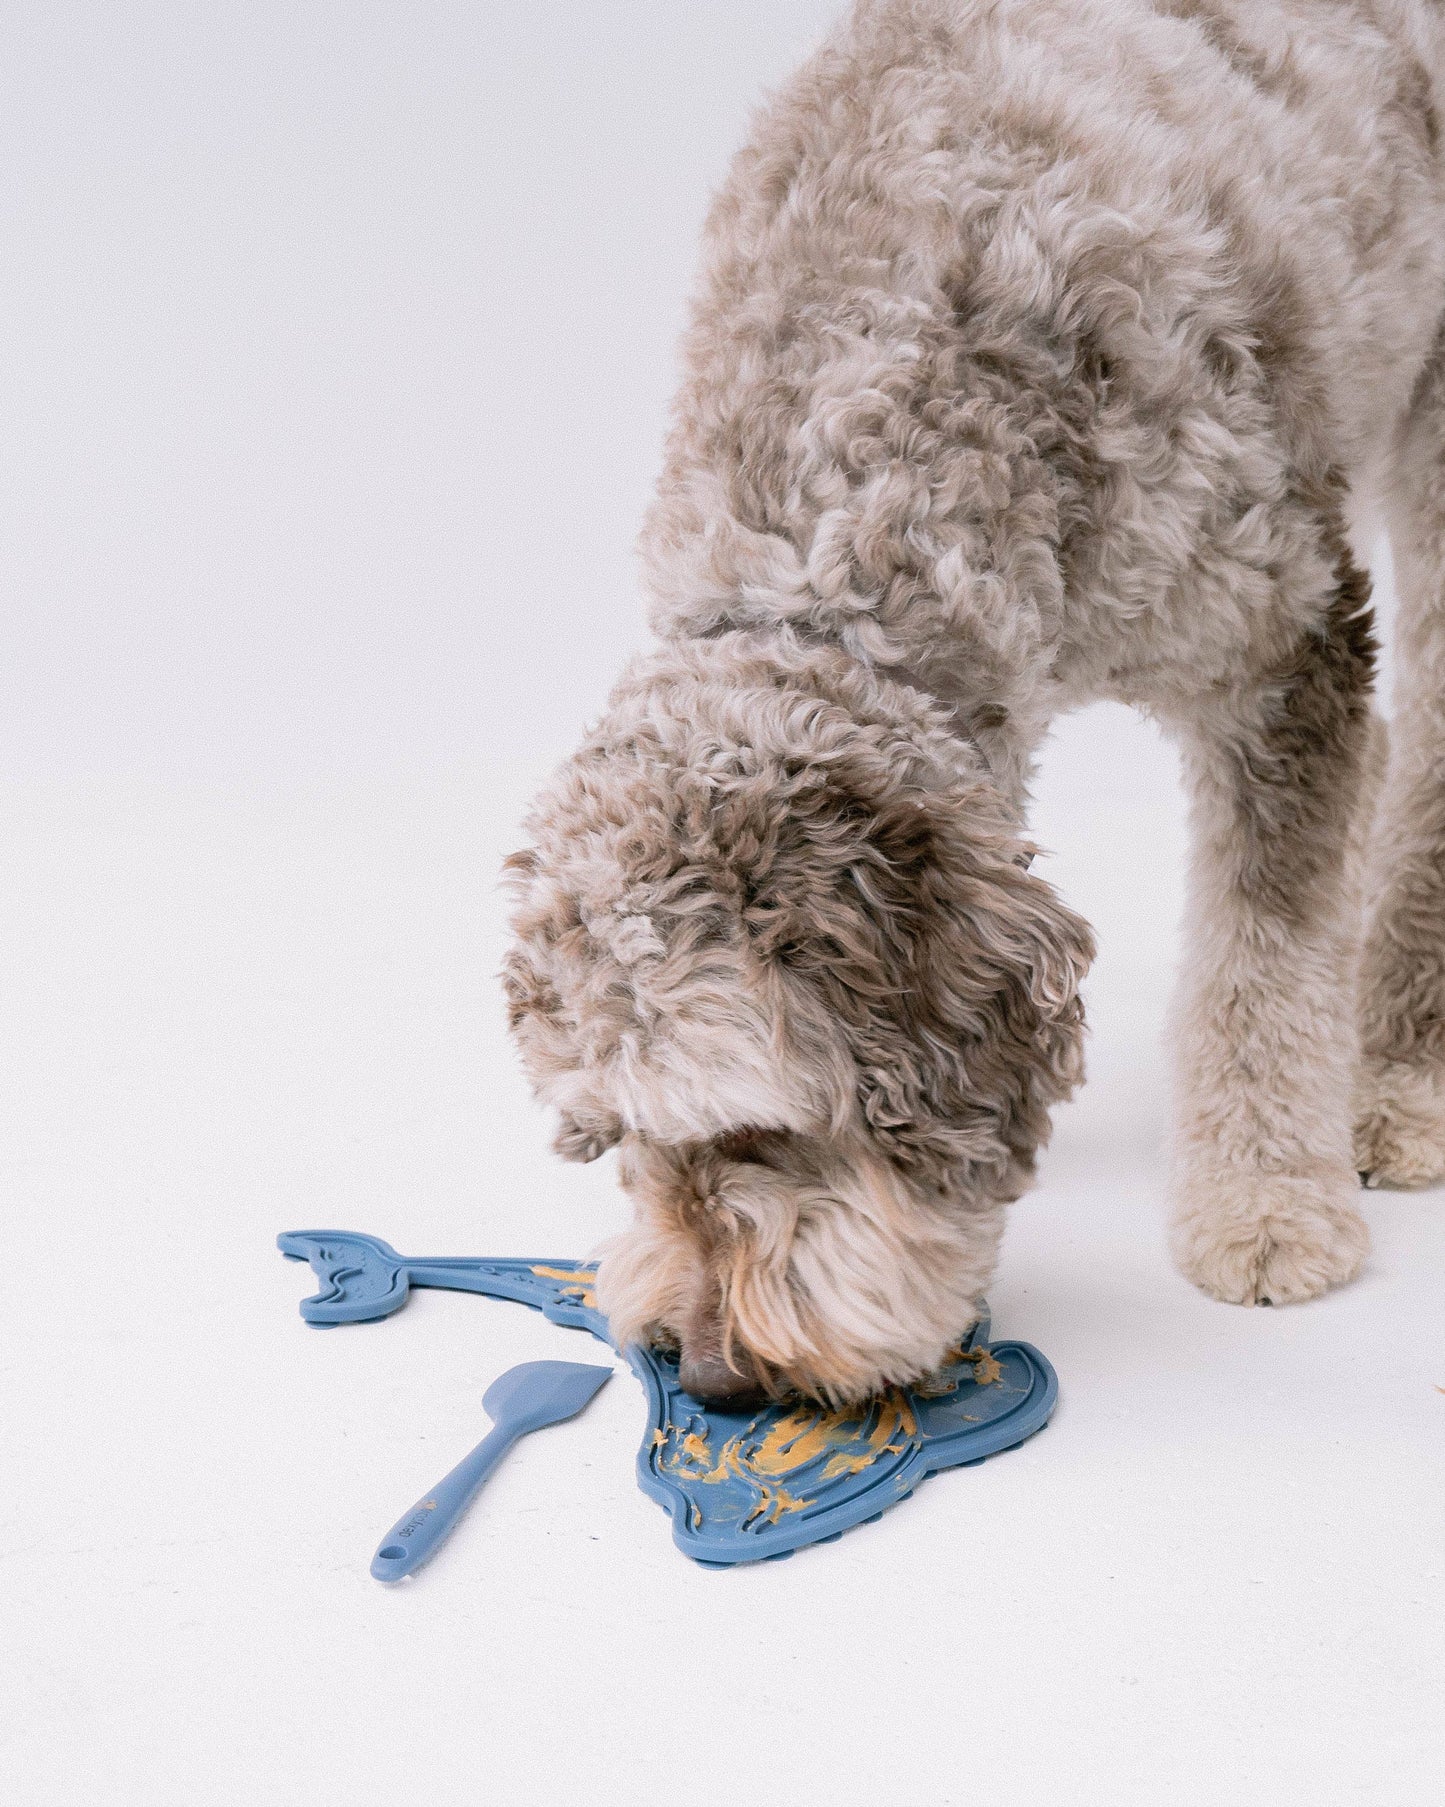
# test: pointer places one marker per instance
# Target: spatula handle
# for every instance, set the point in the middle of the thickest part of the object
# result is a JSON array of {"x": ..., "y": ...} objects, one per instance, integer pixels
[{"x": 420, "y": 1532}]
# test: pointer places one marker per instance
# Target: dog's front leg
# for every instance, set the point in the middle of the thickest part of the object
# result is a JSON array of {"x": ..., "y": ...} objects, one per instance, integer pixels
[{"x": 1265, "y": 1039}]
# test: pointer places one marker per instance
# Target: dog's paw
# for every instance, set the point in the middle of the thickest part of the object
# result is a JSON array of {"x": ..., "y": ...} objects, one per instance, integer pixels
[
  {"x": 1269, "y": 1239},
  {"x": 1400, "y": 1126}
]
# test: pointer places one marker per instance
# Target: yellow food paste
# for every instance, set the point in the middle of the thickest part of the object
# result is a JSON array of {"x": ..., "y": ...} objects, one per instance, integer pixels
[{"x": 582, "y": 1279}]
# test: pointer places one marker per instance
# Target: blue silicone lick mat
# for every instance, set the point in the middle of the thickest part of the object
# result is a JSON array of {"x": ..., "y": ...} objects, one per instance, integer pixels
[{"x": 740, "y": 1486}]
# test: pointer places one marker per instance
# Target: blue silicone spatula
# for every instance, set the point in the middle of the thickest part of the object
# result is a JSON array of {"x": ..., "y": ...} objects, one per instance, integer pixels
[{"x": 525, "y": 1398}]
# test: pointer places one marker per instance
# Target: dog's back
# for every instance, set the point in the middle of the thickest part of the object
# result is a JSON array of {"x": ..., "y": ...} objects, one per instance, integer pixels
[{"x": 1013, "y": 311}]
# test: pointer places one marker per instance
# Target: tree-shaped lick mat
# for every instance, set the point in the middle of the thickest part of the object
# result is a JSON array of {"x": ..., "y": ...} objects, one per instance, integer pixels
[{"x": 741, "y": 1486}]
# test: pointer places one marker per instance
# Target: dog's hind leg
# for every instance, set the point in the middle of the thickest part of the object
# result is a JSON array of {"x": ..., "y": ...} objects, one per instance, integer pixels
[
  {"x": 1265, "y": 1033},
  {"x": 1400, "y": 1122}
]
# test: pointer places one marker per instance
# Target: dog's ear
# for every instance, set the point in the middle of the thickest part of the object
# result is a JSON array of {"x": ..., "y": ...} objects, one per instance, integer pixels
[
  {"x": 903, "y": 917},
  {"x": 546, "y": 1039},
  {"x": 577, "y": 1140}
]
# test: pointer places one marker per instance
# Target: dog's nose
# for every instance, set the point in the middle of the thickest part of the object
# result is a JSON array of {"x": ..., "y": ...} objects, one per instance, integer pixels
[{"x": 714, "y": 1382}]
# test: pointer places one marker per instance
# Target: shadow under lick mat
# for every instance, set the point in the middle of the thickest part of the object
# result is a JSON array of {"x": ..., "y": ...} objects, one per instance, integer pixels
[{"x": 741, "y": 1486}]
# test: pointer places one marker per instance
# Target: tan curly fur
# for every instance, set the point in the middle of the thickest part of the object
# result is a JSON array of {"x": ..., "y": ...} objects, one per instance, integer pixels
[{"x": 1043, "y": 351}]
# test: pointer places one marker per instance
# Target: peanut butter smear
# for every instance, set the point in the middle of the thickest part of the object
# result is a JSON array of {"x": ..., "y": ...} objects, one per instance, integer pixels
[
  {"x": 810, "y": 1437},
  {"x": 582, "y": 1280}
]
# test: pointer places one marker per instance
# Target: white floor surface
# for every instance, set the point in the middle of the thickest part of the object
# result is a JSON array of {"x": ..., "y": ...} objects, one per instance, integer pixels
[{"x": 323, "y": 562}]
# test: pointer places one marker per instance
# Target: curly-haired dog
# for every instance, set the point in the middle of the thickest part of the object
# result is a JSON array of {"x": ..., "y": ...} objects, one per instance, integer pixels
[{"x": 1042, "y": 347}]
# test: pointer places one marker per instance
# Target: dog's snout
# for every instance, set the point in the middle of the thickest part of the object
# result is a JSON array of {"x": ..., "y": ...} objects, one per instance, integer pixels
[{"x": 713, "y": 1381}]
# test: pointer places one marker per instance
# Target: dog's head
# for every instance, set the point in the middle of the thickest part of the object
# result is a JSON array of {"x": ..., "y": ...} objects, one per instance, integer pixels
[{"x": 777, "y": 936}]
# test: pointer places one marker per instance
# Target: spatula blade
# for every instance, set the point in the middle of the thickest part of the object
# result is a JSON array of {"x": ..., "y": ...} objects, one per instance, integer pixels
[{"x": 535, "y": 1394}]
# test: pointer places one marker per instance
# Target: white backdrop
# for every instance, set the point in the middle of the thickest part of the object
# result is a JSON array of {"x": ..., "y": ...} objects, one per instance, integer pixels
[{"x": 312, "y": 313}]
